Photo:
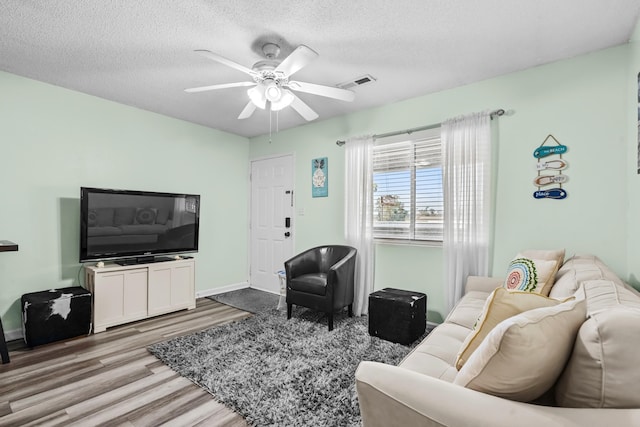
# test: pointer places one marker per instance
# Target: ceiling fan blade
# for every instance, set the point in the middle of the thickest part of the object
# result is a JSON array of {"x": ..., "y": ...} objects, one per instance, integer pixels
[
  {"x": 328, "y": 91},
  {"x": 303, "y": 109},
  {"x": 247, "y": 111},
  {"x": 300, "y": 57},
  {"x": 225, "y": 61},
  {"x": 222, "y": 86}
]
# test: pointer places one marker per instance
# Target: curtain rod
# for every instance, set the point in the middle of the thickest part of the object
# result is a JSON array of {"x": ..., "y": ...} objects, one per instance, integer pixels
[{"x": 492, "y": 115}]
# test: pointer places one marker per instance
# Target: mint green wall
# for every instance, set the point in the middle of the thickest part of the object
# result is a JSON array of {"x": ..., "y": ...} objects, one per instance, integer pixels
[
  {"x": 633, "y": 151},
  {"x": 55, "y": 140},
  {"x": 582, "y": 101}
]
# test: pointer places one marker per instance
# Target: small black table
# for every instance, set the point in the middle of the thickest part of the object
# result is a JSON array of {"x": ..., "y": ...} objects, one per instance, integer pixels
[
  {"x": 5, "y": 246},
  {"x": 397, "y": 315}
]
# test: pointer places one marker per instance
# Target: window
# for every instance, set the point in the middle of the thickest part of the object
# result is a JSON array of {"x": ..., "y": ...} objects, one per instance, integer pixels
[{"x": 407, "y": 188}]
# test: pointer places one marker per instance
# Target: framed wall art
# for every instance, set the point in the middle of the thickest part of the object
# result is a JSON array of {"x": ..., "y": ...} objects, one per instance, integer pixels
[
  {"x": 550, "y": 167},
  {"x": 320, "y": 177}
]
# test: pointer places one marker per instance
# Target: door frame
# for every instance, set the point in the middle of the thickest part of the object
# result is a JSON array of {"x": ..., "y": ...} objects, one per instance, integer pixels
[{"x": 293, "y": 208}]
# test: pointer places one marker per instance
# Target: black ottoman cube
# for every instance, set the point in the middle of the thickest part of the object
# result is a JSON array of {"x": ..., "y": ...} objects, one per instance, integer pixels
[
  {"x": 397, "y": 316},
  {"x": 55, "y": 315}
]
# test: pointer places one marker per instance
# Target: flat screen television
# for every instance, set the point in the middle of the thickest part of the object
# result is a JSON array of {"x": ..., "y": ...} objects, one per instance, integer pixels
[{"x": 136, "y": 226}]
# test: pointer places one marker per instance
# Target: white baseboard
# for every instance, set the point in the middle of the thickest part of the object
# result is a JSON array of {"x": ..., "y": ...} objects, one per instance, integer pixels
[
  {"x": 13, "y": 335},
  {"x": 264, "y": 290},
  {"x": 216, "y": 291}
]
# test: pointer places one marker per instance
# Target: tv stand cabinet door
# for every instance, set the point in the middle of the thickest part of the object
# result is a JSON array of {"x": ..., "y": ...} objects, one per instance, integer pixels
[
  {"x": 171, "y": 287},
  {"x": 119, "y": 297}
]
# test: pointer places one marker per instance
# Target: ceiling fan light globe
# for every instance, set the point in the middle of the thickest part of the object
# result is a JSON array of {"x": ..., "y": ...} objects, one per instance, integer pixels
[
  {"x": 257, "y": 97},
  {"x": 272, "y": 92},
  {"x": 285, "y": 100}
]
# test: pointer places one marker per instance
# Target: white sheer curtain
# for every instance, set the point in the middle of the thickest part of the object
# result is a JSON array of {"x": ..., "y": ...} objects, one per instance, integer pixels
[
  {"x": 359, "y": 215},
  {"x": 466, "y": 158}
]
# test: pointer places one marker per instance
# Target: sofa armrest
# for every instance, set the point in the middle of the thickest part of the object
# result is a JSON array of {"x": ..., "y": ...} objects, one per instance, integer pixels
[
  {"x": 482, "y": 283},
  {"x": 390, "y": 395}
]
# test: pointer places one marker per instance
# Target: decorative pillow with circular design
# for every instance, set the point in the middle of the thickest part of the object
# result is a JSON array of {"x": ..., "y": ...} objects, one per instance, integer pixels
[
  {"x": 529, "y": 275},
  {"x": 100, "y": 217},
  {"x": 521, "y": 275},
  {"x": 92, "y": 218},
  {"x": 146, "y": 215}
]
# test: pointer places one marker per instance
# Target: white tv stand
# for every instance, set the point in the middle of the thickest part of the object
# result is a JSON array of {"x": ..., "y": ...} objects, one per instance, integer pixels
[{"x": 123, "y": 294}]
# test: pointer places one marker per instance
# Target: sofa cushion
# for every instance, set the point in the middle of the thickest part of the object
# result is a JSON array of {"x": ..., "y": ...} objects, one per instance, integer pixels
[
  {"x": 604, "y": 295},
  {"x": 435, "y": 356},
  {"x": 500, "y": 305},
  {"x": 143, "y": 229},
  {"x": 530, "y": 275},
  {"x": 124, "y": 216},
  {"x": 600, "y": 372},
  {"x": 312, "y": 283},
  {"x": 467, "y": 310},
  {"x": 503, "y": 365},
  {"x": 579, "y": 269},
  {"x": 103, "y": 231}
]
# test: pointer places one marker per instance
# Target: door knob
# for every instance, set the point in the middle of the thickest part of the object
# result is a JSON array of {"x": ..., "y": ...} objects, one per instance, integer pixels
[{"x": 287, "y": 234}]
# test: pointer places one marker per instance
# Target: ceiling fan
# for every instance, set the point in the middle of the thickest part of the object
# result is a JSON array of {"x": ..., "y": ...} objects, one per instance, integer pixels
[{"x": 271, "y": 85}]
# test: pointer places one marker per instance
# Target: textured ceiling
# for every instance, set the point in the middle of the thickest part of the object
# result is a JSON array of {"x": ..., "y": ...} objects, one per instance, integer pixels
[{"x": 140, "y": 53}]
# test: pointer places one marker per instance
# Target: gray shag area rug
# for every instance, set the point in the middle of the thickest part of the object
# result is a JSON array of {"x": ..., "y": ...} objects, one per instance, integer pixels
[
  {"x": 279, "y": 372},
  {"x": 248, "y": 299}
]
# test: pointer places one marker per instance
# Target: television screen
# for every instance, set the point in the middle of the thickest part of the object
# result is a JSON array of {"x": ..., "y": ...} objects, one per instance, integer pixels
[{"x": 132, "y": 224}]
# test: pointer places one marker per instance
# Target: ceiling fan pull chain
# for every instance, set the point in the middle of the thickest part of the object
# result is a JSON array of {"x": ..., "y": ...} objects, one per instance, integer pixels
[{"x": 270, "y": 112}]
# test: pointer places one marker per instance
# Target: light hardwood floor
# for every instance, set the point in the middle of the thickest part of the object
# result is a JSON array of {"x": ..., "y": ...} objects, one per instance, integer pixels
[{"x": 111, "y": 379}]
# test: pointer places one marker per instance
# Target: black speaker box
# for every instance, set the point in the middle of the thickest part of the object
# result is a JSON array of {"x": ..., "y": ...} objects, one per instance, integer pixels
[
  {"x": 55, "y": 315},
  {"x": 398, "y": 316}
]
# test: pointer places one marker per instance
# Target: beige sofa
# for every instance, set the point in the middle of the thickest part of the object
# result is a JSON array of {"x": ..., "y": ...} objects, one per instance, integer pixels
[
  {"x": 127, "y": 225},
  {"x": 598, "y": 386}
]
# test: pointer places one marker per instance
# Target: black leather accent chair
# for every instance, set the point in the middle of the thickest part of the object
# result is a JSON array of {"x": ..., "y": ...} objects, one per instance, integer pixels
[{"x": 322, "y": 278}]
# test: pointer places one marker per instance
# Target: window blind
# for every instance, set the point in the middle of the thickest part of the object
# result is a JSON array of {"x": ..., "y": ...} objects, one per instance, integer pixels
[{"x": 407, "y": 179}]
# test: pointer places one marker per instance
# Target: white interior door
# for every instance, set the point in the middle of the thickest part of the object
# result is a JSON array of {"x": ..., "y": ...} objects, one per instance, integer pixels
[{"x": 271, "y": 205}]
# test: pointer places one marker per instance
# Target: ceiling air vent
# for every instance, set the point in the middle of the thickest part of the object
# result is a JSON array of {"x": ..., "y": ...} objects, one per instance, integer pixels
[{"x": 367, "y": 78}]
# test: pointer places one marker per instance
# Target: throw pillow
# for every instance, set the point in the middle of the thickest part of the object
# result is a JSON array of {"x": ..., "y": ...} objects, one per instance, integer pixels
[
  {"x": 105, "y": 217},
  {"x": 556, "y": 255},
  {"x": 124, "y": 216},
  {"x": 547, "y": 255},
  {"x": 601, "y": 371},
  {"x": 579, "y": 269},
  {"x": 162, "y": 217},
  {"x": 145, "y": 215},
  {"x": 101, "y": 217},
  {"x": 92, "y": 218},
  {"x": 500, "y": 305},
  {"x": 505, "y": 364},
  {"x": 530, "y": 275}
]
